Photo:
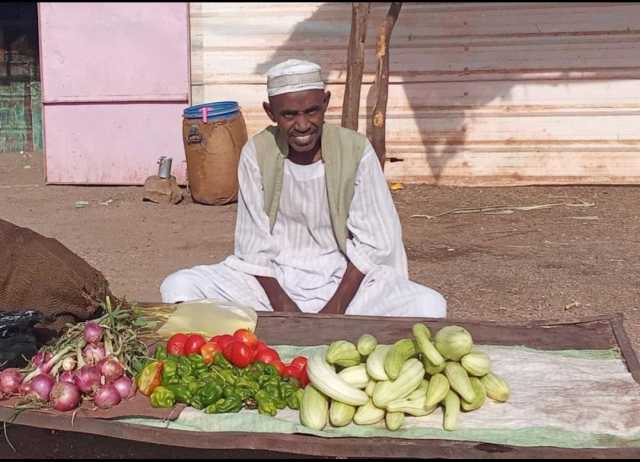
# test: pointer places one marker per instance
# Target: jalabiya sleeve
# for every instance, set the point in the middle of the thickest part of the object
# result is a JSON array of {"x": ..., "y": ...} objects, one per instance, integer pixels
[{"x": 373, "y": 222}]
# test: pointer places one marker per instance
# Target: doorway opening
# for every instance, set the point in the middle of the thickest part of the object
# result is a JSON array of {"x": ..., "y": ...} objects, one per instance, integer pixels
[{"x": 20, "y": 90}]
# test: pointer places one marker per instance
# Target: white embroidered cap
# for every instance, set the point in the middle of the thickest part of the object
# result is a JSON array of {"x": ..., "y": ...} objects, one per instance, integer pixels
[{"x": 293, "y": 75}]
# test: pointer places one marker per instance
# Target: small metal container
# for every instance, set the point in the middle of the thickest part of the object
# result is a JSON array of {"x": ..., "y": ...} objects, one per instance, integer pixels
[{"x": 164, "y": 169}]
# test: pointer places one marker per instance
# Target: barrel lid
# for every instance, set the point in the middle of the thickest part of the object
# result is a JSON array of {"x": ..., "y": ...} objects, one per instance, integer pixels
[{"x": 216, "y": 109}]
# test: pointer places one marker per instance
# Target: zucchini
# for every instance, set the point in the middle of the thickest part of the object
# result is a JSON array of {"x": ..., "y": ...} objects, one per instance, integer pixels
[
  {"x": 375, "y": 363},
  {"x": 400, "y": 352},
  {"x": 325, "y": 379},
  {"x": 341, "y": 414},
  {"x": 356, "y": 376},
  {"x": 366, "y": 344},
  {"x": 314, "y": 409},
  {"x": 410, "y": 378}
]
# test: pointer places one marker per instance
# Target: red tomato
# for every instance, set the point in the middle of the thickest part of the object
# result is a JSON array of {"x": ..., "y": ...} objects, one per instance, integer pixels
[
  {"x": 290, "y": 371},
  {"x": 279, "y": 365},
  {"x": 209, "y": 351},
  {"x": 260, "y": 345},
  {"x": 246, "y": 336},
  {"x": 299, "y": 363},
  {"x": 238, "y": 354},
  {"x": 303, "y": 378},
  {"x": 267, "y": 356},
  {"x": 258, "y": 348},
  {"x": 193, "y": 344},
  {"x": 222, "y": 340},
  {"x": 175, "y": 345}
]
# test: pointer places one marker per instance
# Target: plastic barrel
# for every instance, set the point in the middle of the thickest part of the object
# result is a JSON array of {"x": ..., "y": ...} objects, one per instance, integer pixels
[{"x": 213, "y": 136}]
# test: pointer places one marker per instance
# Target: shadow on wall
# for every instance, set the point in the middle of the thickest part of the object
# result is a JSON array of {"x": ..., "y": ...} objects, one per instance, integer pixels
[
  {"x": 457, "y": 66},
  {"x": 417, "y": 64}
]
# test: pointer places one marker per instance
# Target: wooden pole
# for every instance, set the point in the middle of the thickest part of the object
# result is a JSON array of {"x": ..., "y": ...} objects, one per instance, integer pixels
[
  {"x": 355, "y": 64},
  {"x": 378, "y": 123}
]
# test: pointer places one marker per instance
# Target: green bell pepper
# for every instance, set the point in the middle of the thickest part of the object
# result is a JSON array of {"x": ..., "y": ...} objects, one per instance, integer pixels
[
  {"x": 229, "y": 404},
  {"x": 181, "y": 392},
  {"x": 270, "y": 369},
  {"x": 266, "y": 403},
  {"x": 194, "y": 385},
  {"x": 161, "y": 352},
  {"x": 243, "y": 392},
  {"x": 287, "y": 389},
  {"x": 170, "y": 371},
  {"x": 228, "y": 376},
  {"x": 265, "y": 380},
  {"x": 184, "y": 368},
  {"x": 197, "y": 362},
  {"x": 162, "y": 397},
  {"x": 273, "y": 391},
  {"x": 206, "y": 395},
  {"x": 245, "y": 382},
  {"x": 294, "y": 400},
  {"x": 221, "y": 361}
]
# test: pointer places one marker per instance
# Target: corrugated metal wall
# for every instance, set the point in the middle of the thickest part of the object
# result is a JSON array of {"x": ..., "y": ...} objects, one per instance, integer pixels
[{"x": 480, "y": 93}]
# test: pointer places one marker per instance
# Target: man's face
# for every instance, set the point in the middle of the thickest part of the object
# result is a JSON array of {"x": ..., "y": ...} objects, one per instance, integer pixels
[{"x": 300, "y": 116}]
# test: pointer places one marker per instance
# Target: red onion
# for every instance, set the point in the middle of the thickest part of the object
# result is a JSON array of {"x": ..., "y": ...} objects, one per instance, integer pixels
[
  {"x": 93, "y": 332},
  {"x": 107, "y": 396},
  {"x": 40, "y": 358},
  {"x": 41, "y": 386},
  {"x": 67, "y": 376},
  {"x": 94, "y": 353},
  {"x": 65, "y": 396},
  {"x": 87, "y": 379},
  {"x": 111, "y": 369},
  {"x": 25, "y": 388},
  {"x": 68, "y": 363},
  {"x": 125, "y": 386},
  {"x": 10, "y": 380}
]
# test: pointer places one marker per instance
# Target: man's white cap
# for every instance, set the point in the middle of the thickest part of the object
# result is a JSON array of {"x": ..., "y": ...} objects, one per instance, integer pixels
[{"x": 293, "y": 75}]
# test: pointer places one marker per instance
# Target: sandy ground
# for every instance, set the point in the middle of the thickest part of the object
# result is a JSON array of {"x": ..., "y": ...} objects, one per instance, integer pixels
[{"x": 559, "y": 263}]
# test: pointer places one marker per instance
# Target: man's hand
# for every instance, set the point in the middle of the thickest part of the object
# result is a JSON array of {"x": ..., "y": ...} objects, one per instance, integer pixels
[
  {"x": 278, "y": 298},
  {"x": 345, "y": 292}
]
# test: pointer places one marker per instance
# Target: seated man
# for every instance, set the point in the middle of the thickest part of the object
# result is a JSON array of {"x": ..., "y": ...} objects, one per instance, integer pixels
[{"x": 316, "y": 229}]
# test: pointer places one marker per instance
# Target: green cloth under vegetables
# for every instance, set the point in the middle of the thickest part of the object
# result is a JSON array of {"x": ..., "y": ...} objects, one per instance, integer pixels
[{"x": 562, "y": 398}]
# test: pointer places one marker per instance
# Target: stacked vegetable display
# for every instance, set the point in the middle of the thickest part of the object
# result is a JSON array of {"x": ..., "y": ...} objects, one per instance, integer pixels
[
  {"x": 225, "y": 374},
  {"x": 367, "y": 383},
  {"x": 93, "y": 361}
]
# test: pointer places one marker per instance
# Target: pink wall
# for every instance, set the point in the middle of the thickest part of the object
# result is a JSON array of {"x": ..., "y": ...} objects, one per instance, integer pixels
[{"x": 115, "y": 79}]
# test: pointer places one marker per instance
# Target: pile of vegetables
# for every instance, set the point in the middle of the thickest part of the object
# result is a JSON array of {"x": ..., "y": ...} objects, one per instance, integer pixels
[
  {"x": 93, "y": 361},
  {"x": 225, "y": 374},
  {"x": 366, "y": 383}
]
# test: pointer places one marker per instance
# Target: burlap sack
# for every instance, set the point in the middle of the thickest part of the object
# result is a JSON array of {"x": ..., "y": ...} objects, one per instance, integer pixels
[{"x": 39, "y": 273}]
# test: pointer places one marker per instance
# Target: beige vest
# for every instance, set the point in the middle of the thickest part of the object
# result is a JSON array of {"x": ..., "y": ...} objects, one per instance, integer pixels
[{"x": 342, "y": 150}]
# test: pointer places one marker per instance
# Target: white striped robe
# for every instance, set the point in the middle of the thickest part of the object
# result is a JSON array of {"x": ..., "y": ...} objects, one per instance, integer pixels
[{"x": 302, "y": 252}]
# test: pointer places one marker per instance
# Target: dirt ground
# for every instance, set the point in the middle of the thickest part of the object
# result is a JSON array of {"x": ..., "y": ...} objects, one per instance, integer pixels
[{"x": 559, "y": 263}]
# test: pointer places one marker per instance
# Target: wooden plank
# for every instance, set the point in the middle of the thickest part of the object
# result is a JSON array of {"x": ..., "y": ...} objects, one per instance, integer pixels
[
  {"x": 319, "y": 329},
  {"x": 595, "y": 58}
]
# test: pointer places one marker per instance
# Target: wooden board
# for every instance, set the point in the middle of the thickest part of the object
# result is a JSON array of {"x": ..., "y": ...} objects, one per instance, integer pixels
[{"x": 309, "y": 329}]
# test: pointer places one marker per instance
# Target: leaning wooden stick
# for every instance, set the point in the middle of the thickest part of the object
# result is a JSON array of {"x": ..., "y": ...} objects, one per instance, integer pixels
[
  {"x": 379, "y": 116},
  {"x": 355, "y": 64}
]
